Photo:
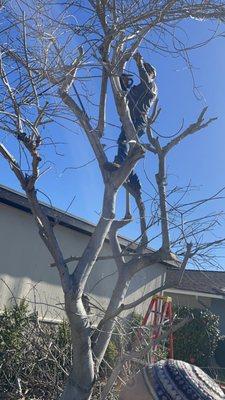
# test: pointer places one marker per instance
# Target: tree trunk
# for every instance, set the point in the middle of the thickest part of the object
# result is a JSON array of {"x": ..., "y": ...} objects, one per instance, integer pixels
[{"x": 81, "y": 378}]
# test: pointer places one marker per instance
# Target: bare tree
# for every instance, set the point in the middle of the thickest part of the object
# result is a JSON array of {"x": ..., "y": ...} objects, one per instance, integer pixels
[{"x": 44, "y": 55}]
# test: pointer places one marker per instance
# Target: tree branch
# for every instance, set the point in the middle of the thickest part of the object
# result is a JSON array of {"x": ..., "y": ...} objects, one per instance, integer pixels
[
  {"x": 91, "y": 252},
  {"x": 142, "y": 214},
  {"x": 85, "y": 123},
  {"x": 124, "y": 307},
  {"x": 13, "y": 164},
  {"x": 136, "y": 355},
  {"x": 114, "y": 242},
  {"x": 184, "y": 264},
  {"x": 161, "y": 182},
  {"x": 193, "y": 128},
  {"x": 102, "y": 104}
]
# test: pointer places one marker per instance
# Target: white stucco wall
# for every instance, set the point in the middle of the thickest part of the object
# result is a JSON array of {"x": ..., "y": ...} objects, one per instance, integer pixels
[
  {"x": 192, "y": 301},
  {"x": 25, "y": 267}
]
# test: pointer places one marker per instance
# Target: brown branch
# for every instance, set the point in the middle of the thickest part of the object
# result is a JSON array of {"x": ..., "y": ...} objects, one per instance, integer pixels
[
  {"x": 102, "y": 103},
  {"x": 45, "y": 228},
  {"x": 85, "y": 123},
  {"x": 207, "y": 245},
  {"x": 193, "y": 128},
  {"x": 100, "y": 9},
  {"x": 28, "y": 68},
  {"x": 128, "y": 306},
  {"x": 70, "y": 73},
  {"x": 13, "y": 164},
  {"x": 99, "y": 258},
  {"x": 92, "y": 250},
  {"x": 142, "y": 214},
  {"x": 184, "y": 264},
  {"x": 114, "y": 242},
  {"x": 161, "y": 182},
  {"x": 144, "y": 31},
  {"x": 49, "y": 238},
  {"x": 11, "y": 94}
]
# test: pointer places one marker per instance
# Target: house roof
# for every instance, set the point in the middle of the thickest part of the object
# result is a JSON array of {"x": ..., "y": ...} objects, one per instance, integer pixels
[
  {"x": 18, "y": 200},
  {"x": 211, "y": 282}
]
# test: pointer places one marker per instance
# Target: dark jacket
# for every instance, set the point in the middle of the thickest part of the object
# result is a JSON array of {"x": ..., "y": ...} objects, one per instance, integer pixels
[{"x": 140, "y": 98}]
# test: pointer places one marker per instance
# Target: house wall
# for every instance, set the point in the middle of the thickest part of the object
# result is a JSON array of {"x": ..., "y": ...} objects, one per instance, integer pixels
[
  {"x": 181, "y": 300},
  {"x": 25, "y": 267}
]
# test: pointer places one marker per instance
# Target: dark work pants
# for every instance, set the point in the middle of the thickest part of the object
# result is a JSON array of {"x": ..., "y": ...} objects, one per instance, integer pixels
[{"x": 123, "y": 148}]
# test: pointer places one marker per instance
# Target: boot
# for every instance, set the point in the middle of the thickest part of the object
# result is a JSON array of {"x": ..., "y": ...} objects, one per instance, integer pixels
[
  {"x": 111, "y": 167},
  {"x": 134, "y": 183}
]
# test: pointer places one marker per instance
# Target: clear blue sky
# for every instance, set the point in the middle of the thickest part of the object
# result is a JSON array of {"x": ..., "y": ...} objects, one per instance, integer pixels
[{"x": 199, "y": 159}]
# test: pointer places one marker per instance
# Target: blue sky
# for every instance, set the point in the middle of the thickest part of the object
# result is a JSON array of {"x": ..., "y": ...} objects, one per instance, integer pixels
[{"x": 199, "y": 159}]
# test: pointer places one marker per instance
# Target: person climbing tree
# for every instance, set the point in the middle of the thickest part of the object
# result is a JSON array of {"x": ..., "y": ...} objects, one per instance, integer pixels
[{"x": 139, "y": 98}]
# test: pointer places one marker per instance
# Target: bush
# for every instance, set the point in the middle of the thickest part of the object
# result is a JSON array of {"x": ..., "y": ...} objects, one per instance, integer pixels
[
  {"x": 34, "y": 357},
  {"x": 123, "y": 339},
  {"x": 111, "y": 353},
  {"x": 196, "y": 342},
  {"x": 220, "y": 352}
]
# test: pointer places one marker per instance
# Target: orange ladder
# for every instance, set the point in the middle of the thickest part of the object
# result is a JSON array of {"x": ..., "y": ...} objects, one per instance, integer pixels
[{"x": 161, "y": 311}]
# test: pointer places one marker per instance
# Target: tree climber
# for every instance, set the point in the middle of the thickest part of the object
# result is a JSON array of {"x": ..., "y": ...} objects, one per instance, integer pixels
[{"x": 139, "y": 99}]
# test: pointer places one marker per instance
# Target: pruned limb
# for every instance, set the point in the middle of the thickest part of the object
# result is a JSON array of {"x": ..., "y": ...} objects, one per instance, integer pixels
[
  {"x": 184, "y": 263},
  {"x": 161, "y": 183},
  {"x": 114, "y": 242},
  {"x": 102, "y": 104},
  {"x": 142, "y": 214}
]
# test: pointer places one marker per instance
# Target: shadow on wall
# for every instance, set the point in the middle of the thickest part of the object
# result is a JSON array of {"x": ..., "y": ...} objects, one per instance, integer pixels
[{"x": 26, "y": 261}]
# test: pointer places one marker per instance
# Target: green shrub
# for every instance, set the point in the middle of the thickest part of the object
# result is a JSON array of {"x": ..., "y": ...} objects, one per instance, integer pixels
[
  {"x": 220, "y": 352},
  {"x": 13, "y": 321},
  {"x": 35, "y": 357},
  {"x": 196, "y": 341},
  {"x": 111, "y": 353},
  {"x": 123, "y": 337}
]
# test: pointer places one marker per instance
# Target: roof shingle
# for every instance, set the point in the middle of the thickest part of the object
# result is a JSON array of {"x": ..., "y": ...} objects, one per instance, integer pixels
[{"x": 212, "y": 282}]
